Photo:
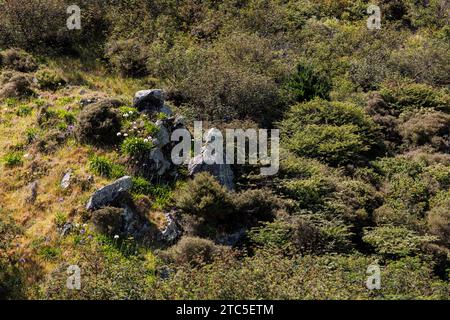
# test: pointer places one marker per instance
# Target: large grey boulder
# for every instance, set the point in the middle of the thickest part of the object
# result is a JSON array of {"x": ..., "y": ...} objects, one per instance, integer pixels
[
  {"x": 151, "y": 101},
  {"x": 109, "y": 193}
]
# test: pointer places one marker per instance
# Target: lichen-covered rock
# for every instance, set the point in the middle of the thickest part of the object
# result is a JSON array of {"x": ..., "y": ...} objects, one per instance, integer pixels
[
  {"x": 151, "y": 101},
  {"x": 106, "y": 195},
  {"x": 172, "y": 231},
  {"x": 65, "y": 181}
]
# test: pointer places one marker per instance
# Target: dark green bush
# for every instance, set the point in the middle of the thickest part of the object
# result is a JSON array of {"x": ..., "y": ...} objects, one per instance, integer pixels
[
  {"x": 338, "y": 133},
  {"x": 205, "y": 198},
  {"x": 306, "y": 84}
]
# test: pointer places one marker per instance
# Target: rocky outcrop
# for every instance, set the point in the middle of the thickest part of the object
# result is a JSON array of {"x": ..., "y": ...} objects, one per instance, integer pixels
[
  {"x": 151, "y": 101},
  {"x": 172, "y": 231},
  {"x": 221, "y": 171},
  {"x": 109, "y": 193}
]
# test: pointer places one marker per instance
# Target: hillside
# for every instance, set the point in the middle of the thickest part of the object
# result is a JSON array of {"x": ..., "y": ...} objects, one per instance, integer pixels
[{"x": 88, "y": 181}]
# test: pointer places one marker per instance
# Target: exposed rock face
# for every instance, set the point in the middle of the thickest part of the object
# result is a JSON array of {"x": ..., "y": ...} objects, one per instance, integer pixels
[
  {"x": 109, "y": 193},
  {"x": 151, "y": 101},
  {"x": 172, "y": 231},
  {"x": 222, "y": 172},
  {"x": 65, "y": 182},
  {"x": 163, "y": 134}
]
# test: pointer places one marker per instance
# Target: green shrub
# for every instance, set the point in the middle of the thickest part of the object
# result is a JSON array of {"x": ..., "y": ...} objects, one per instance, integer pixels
[
  {"x": 257, "y": 204},
  {"x": 193, "y": 250},
  {"x": 335, "y": 132},
  {"x": 395, "y": 241},
  {"x": 269, "y": 275},
  {"x": 106, "y": 167},
  {"x": 13, "y": 159},
  {"x": 205, "y": 198},
  {"x": 307, "y": 84},
  {"x": 136, "y": 146},
  {"x": 410, "y": 96},
  {"x": 49, "y": 79}
]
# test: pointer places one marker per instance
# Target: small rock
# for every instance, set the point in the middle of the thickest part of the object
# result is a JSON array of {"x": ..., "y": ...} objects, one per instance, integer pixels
[
  {"x": 65, "y": 182},
  {"x": 109, "y": 193},
  {"x": 33, "y": 191},
  {"x": 66, "y": 229}
]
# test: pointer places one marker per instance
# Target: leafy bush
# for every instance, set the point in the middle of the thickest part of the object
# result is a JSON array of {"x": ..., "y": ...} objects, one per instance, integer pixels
[
  {"x": 410, "y": 96},
  {"x": 99, "y": 123},
  {"x": 106, "y": 167},
  {"x": 307, "y": 84},
  {"x": 41, "y": 25},
  {"x": 335, "y": 132},
  {"x": 13, "y": 159},
  {"x": 194, "y": 251},
  {"x": 395, "y": 241},
  {"x": 136, "y": 146},
  {"x": 205, "y": 198},
  {"x": 268, "y": 275},
  {"x": 257, "y": 204},
  {"x": 49, "y": 79}
]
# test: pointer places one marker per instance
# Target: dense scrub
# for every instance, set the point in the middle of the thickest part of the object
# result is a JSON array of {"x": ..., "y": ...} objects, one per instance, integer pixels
[{"x": 364, "y": 173}]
